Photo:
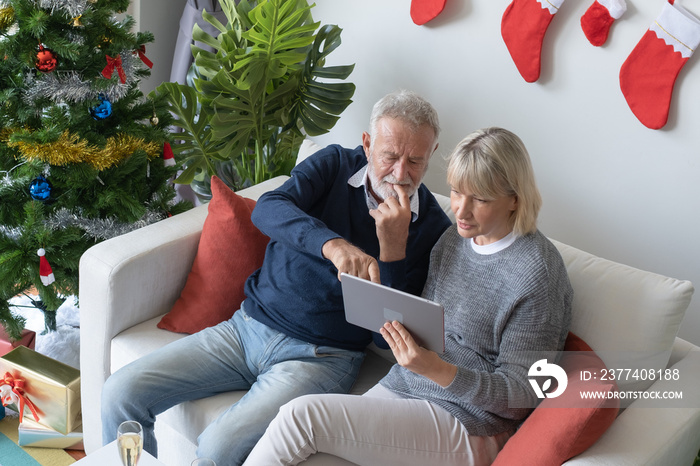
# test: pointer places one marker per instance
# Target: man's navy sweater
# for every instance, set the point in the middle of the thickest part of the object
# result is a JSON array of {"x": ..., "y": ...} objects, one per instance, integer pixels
[{"x": 296, "y": 291}]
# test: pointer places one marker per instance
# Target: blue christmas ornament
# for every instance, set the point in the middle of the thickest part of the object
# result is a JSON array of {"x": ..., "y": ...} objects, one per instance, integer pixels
[
  {"x": 40, "y": 189},
  {"x": 102, "y": 110}
]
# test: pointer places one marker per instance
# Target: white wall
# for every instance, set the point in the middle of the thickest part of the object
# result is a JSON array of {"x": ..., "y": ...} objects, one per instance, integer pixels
[
  {"x": 162, "y": 18},
  {"x": 610, "y": 185}
]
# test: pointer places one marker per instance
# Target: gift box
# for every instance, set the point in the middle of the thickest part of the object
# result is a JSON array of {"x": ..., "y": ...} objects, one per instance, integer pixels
[
  {"x": 33, "y": 434},
  {"x": 27, "y": 338},
  {"x": 41, "y": 388}
]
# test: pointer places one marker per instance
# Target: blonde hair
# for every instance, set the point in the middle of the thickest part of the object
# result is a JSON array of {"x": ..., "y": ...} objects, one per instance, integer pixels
[{"x": 494, "y": 162}]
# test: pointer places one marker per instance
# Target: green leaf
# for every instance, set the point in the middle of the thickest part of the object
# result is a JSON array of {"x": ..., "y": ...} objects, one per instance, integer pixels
[
  {"x": 258, "y": 92},
  {"x": 188, "y": 174},
  {"x": 211, "y": 19},
  {"x": 199, "y": 35},
  {"x": 318, "y": 103},
  {"x": 201, "y": 150},
  {"x": 280, "y": 28},
  {"x": 334, "y": 72}
]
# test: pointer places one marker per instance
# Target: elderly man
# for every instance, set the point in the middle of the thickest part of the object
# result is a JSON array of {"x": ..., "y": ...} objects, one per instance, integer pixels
[{"x": 361, "y": 211}]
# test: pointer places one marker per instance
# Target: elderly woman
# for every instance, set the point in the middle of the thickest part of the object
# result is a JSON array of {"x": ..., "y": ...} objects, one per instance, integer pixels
[{"x": 506, "y": 295}]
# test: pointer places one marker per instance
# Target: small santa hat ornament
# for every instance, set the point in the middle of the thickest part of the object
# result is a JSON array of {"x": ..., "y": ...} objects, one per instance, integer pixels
[
  {"x": 168, "y": 158},
  {"x": 45, "y": 271}
]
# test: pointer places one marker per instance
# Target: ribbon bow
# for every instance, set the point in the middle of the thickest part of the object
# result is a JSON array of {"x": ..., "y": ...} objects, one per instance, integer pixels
[
  {"x": 112, "y": 64},
  {"x": 141, "y": 51},
  {"x": 12, "y": 391}
]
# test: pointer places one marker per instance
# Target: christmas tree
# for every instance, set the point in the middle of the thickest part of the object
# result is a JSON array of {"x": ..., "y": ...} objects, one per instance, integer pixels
[{"x": 81, "y": 148}]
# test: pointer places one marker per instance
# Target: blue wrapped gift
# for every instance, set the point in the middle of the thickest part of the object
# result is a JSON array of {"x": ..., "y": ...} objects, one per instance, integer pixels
[{"x": 33, "y": 434}]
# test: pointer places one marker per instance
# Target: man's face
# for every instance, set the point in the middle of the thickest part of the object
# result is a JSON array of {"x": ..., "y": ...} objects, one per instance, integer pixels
[{"x": 397, "y": 154}]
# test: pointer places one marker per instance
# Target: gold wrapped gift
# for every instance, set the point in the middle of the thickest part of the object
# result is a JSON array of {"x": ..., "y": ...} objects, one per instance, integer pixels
[{"x": 42, "y": 388}]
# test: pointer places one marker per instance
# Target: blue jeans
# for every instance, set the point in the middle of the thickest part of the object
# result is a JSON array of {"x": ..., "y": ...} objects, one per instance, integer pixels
[{"x": 240, "y": 354}]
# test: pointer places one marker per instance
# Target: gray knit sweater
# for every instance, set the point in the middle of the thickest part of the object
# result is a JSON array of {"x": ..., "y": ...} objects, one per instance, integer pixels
[{"x": 498, "y": 308}]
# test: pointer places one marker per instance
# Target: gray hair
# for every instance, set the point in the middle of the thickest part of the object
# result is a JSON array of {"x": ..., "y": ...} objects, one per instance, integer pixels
[{"x": 406, "y": 106}]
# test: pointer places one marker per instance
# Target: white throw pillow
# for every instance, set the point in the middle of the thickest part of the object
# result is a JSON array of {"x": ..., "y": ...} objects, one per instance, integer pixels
[
  {"x": 307, "y": 148},
  {"x": 630, "y": 317}
]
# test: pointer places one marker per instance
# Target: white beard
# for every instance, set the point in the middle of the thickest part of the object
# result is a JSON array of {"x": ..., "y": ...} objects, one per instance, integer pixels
[{"x": 383, "y": 188}]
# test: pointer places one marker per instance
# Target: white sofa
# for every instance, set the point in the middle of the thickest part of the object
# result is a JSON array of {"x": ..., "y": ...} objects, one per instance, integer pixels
[{"x": 129, "y": 282}]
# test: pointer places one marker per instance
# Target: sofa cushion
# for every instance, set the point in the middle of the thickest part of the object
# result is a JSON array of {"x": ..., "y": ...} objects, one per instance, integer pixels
[
  {"x": 563, "y": 427},
  {"x": 230, "y": 249},
  {"x": 192, "y": 417},
  {"x": 630, "y": 317}
]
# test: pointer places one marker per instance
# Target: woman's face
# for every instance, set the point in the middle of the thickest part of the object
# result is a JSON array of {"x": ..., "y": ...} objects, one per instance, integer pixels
[{"x": 485, "y": 220}]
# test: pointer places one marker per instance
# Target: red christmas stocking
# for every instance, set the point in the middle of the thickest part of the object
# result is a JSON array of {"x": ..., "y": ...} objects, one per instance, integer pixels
[
  {"x": 423, "y": 11},
  {"x": 649, "y": 73},
  {"x": 523, "y": 27},
  {"x": 596, "y": 21}
]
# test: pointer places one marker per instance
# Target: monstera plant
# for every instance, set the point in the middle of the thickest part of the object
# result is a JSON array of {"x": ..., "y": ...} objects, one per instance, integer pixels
[{"x": 257, "y": 89}]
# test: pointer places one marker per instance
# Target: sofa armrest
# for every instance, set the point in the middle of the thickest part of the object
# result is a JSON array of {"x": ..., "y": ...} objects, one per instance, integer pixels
[
  {"x": 123, "y": 282},
  {"x": 127, "y": 280},
  {"x": 681, "y": 349}
]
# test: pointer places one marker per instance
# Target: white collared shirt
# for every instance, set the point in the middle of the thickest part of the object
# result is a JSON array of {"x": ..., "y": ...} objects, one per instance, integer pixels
[{"x": 361, "y": 180}]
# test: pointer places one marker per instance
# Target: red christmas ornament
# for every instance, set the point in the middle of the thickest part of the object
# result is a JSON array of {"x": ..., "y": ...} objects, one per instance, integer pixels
[{"x": 45, "y": 60}]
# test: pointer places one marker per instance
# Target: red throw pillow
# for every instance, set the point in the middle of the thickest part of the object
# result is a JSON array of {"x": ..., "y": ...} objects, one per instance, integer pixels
[
  {"x": 230, "y": 249},
  {"x": 563, "y": 427}
]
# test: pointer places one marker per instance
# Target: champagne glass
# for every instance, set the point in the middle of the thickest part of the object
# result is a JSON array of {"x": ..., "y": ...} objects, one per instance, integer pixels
[
  {"x": 130, "y": 442},
  {"x": 203, "y": 462}
]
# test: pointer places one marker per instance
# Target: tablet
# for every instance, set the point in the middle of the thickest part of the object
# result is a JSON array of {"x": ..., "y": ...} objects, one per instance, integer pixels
[{"x": 370, "y": 305}]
